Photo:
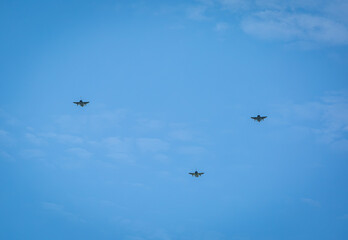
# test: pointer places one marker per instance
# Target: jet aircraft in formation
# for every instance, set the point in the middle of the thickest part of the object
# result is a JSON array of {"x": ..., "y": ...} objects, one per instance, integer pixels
[
  {"x": 259, "y": 118},
  {"x": 196, "y": 174},
  {"x": 81, "y": 103}
]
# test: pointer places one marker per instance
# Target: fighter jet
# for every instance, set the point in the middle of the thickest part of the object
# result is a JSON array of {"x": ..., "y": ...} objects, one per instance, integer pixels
[
  {"x": 196, "y": 174},
  {"x": 81, "y": 103},
  {"x": 259, "y": 118}
]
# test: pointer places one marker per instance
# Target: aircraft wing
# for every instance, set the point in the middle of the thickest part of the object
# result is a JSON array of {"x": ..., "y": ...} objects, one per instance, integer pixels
[
  {"x": 85, "y": 102},
  {"x": 200, "y": 173},
  {"x": 191, "y": 173},
  {"x": 254, "y": 118},
  {"x": 263, "y": 117},
  {"x": 76, "y": 102}
]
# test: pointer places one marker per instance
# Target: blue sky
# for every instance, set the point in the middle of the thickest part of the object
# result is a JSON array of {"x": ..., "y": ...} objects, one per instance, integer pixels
[{"x": 172, "y": 86}]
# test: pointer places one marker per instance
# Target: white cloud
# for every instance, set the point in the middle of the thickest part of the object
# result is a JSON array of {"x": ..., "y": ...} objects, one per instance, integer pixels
[
  {"x": 32, "y": 138},
  {"x": 98, "y": 121},
  {"x": 192, "y": 150},
  {"x": 152, "y": 144},
  {"x": 345, "y": 216},
  {"x": 311, "y": 202},
  {"x": 60, "y": 210},
  {"x": 6, "y": 138},
  {"x": 182, "y": 135},
  {"x": 305, "y": 22},
  {"x": 32, "y": 153},
  {"x": 119, "y": 148},
  {"x": 3, "y": 133},
  {"x": 290, "y": 5},
  {"x": 134, "y": 238},
  {"x": 162, "y": 158},
  {"x": 5, "y": 155},
  {"x": 298, "y": 27},
  {"x": 121, "y": 157},
  {"x": 119, "y": 145},
  {"x": 64, "y": 138},
  {"x": 340, "y": 145},
  {"x": 327, "y": 119},
  {"x": 126, "y": 147},
  {"x": 338, "y": 10},
  {"x": 9, "y": 119},
  {"x": 206, "y": 2},
  {"x": 197, "y": 13},
  {"x": 160, "y": 234},
  {"x": 52, "y": 206},
  {"x": 235, "y": 4},
  {"x": 149, "y": 125},
  {"x": 221, "y": 26},
  {"x": 80, "y": 152}
]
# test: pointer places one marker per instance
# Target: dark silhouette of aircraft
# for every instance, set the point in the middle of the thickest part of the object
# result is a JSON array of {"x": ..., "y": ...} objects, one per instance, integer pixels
[
  {"x": 81, "y": 103},
  {"x": 196, "y": 174},
  {"x": 259, "y": 118}
]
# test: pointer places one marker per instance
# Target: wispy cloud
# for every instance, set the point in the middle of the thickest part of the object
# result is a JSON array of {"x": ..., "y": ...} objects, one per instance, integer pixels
[
  {"x": 295, "y": 27},
  {"x": 345, "y": 217},
  {"x": 99, "y": 121},
  {"x": 307, "y": 21},
  {"x": 121, "y": 149},
  {"x": 6, "y": 138},
  {"x": 3, "y": 133},
  {"x": 181, "y": 134},
  {"x": 192, "y": 150},
  {"x": 64, "y": 138},
  {"x": 197, "y": 13},
  {"x": 52, "y": 206},
  {"x": 60, "y": 210},
  {"x": 327, "y": 119},
  {"x": 8, "y": 119},
  {"x": 311, "y": 202},
  {"x": 32, "y": 153},
  {"x": 235, "y": 4},
  {"x": 160, "y": 234},
  {"x": 118, "y": 144},
  {"x": 221, "y": 26},
  {"x": 34, "y": 139},
  {"x": 161, "y": 158},
  {"x": 134, "y": 238},
  {"x": 150, "y": 124},
  {"x": 6, "y": 156},
  {"x": 79, "y": 152},
  {"x": 152, "y": 144},
  {"x": 155, "y": 234},
  {"x": 153, "y": 139}
]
